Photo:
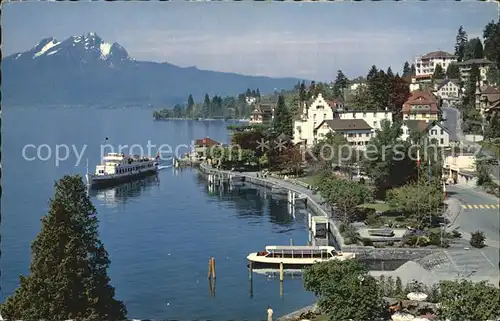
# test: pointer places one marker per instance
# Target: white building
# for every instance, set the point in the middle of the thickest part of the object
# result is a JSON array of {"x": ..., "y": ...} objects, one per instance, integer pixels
[
  {"x": 356, "y": 131},
  {"x": 320, "y": 110},
  {"x": 449, "y": 90},
  {"x": 250, "y": 100},
  {"x": 373, "y": 118},
  {"x": 483, "y": 65},
  {"x": 426, "y": 64},
  {"x": 433, "y": 131}
]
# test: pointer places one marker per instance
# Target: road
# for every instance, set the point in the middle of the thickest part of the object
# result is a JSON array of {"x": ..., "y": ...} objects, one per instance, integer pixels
[
  {"x": 479, "y": 211},
  {"x": 453, "y": 121}
]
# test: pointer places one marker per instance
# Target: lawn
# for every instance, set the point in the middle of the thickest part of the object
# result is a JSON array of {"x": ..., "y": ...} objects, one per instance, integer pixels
[{"x": 310, "y": 180}]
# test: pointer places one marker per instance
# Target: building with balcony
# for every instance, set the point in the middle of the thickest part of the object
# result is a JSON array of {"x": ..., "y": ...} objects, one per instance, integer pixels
[
  {"x": 263, "y": 113},
  {"x": 356, "y": 131},
  {"x": 449, "y": 90},
  {"x": 483, "y": 65},
  {"x": 426, "y": 64},
  {"x": 421, "y": 105},
  {"x": 487, "y": 99}
]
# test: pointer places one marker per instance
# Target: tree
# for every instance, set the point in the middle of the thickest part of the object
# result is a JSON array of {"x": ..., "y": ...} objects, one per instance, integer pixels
[
  {"x": 379, "y": 86},
  {"x": 438, "y": 73},
  {"x": 420, "y": 201},
  {"x": 361, "y": 98},
  {"x": 206, "y": 106},
  {"x": 493, "y": 129},
  {"x": 178, "y": 111},
  {"x": 468, "y": 300},
  {"x": 386, "y": 160},
  {"x": 473, "y": 49},
  {"x": 390, "y": 74},
  {"x": 400, "y": 92},
  {"x": 406, "y": 69},
  {"x": 345, "y": 291},
  {"x": 483, "y": 174},
  {"x": 453, "y": 71},
  {"x": 291, "y": 160},
  {"x": 493, "y": 75},
  {"x": 282, "y": 119},
  {"x": 413, "y": 70},
  {"x": 344, "y": 194},
  {"x": 461, "y": 41},
  {"x": 68, "y": 278},
  {"x": 329, "y": 150},
  {"x": 190, "y": 106},
  {"x": 340, "y": 84},
  {"x": 470, "y": 87},
  {"x": 491, "y": 36},
  {"x": 373, "y": 71}
]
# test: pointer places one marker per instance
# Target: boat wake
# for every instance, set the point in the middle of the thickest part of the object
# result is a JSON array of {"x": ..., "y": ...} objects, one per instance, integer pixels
[{"x": 164, "y": 167}]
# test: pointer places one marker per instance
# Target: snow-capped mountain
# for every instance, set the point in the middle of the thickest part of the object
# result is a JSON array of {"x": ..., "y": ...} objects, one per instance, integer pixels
[
  {"x": 85, "y": 69},
  {"x": 84, "y": 49}
]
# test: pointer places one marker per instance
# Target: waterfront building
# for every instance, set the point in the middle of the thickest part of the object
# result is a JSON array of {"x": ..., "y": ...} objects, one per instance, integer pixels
[
  {"x": 356, "y": 131},
  {"x": 311, "y": 116},
  {"x": 421, "y": 105},
  {"x": 201, "y": 146}
]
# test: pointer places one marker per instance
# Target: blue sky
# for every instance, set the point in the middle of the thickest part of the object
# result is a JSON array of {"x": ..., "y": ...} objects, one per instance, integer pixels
[{"x": 307, "y": 40}]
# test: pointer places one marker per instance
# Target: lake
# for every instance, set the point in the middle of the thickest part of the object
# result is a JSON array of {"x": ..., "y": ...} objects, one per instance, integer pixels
[{"x": 159, "y": 232}]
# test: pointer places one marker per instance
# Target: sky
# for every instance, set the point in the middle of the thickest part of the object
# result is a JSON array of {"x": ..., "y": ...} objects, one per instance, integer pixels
[{"x": 277, "y": 39}]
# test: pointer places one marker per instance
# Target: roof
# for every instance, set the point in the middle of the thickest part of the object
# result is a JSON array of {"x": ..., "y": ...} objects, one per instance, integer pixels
[
  {"x": 421, "y": 97},
  {"x": 416, "y": 125},
  {"x": 446, "y": 81},
  {"x": 491, "y": 93},
  {"x": 262, "y": 108},
  {"x": 207, "y": 141},
  {"x": 475, "y": 61},
  {"x": 346, "y": 124},
  {"x": 438, "y": 54}
]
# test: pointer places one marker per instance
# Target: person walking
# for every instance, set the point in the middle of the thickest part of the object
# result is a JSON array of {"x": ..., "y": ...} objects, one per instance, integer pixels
[{"x": 269, "y": 314}]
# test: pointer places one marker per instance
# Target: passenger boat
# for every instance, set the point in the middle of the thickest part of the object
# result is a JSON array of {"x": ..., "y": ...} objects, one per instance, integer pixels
[
  {"x": 295, "y": 257},
  {"x": 119, "y": 168}
]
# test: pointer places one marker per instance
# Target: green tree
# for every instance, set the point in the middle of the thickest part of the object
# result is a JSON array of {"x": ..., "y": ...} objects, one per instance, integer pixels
[
  {"x": 379, "y": 86},
  {"x": 493, "y": 75},
  {"x": 461, "y": 42},
  {"x": 400, "y": 92},
  {"x": 483, "y": 174},
  {"x": 390, "y": 74},
  {"x": 386, "y": 160},
  {"x": 361, "y": 98},
  {"x": 340, "y": 84},
  {"x": 329, "y": 150},
  {"x": 473, "y": 49},
  {"x": 178, "y": 111},
  {"x": 344, "y": 194},
  {"x": 453, "y": 71},
  {"x": 491, "y": 36},
  {"x": 420, "y": 201},
  {"x": 468, "y": 300},
  {"x": 283, "y": 118},
  {"x": 438, "y": 73},
  {"x": 406, "y": 69},
  {"x": 68, "y": 278},
  {"x": 373, "y": 71},
  {"x": 413, "y": 70},
  {"x": 470, "y": 87},
  {"x": 190, "y": 106},
  {"x": 206, "y": 107},
  {"x": 493, "y": 129},
  {"x": 345, "y": 291}
]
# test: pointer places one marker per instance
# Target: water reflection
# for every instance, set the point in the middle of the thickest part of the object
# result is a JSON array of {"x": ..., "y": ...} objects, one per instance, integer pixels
[
  {"x": 253, "y": 201},
  {"x": 120, "y": 194}
]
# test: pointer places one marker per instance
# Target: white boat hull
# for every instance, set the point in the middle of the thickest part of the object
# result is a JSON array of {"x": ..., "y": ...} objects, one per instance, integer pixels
[
  {"x": 113, "y": 179},
  {"x": 259, "y": 261}
]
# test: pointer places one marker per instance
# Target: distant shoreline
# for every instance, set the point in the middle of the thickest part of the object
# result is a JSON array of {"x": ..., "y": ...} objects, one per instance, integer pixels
[{"x": 200, "y": 119}]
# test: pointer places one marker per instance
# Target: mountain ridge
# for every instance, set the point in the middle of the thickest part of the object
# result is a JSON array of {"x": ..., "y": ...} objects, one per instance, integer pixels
[{"x": 86, "y": 70}]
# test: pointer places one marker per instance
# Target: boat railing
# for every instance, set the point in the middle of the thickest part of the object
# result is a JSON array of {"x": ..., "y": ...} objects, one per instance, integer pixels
[{"x": 303, "y": 254}]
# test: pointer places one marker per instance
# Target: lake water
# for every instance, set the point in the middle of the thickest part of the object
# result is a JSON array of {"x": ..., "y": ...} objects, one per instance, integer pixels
[{"x": 159, "y": 232}]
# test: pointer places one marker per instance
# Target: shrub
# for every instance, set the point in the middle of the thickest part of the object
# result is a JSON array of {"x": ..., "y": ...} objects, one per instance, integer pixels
[
  {"x": 456, "y": 234},
  {"x": 367, "y": 242},
  {"x": 477, "y": 239},
  {"x": 373, "y": 219}
]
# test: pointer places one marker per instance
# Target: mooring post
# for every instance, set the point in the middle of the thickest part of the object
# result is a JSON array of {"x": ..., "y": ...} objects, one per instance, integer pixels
[
  {"x": 281, "y": 272},
  {"x": 293, "y": 198},
  {"x": 214, "y": 275},
  {"x": 209, "y": 268},
  {"x": 281, "y": 290},
  {"x": 250, "y": 270}
]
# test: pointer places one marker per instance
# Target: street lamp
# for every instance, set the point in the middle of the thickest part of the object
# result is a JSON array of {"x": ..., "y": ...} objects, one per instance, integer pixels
[{"x": 441, "y": 234}]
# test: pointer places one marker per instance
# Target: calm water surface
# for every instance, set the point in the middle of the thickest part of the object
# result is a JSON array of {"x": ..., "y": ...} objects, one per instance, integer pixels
[{"x": 159, "y": 232}]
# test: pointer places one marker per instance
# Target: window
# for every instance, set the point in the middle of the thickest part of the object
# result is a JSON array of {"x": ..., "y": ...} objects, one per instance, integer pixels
[
  {"x": 314, "y": 116},
  {"x": 324, "y": 116},
  {"x": 442, "y": 141},
  {"x": 433, "y": 132},
  {"x": 374, "y": 123},
  {"x": 442, "y": 132},
  {"x": 360, "y": 135},
  {"x": 367, "y": 134},
  {"x": 353, "y": 115}
]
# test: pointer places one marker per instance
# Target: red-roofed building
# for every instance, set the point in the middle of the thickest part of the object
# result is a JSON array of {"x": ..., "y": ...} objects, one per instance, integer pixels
[
  {"x": 201, "y": 146},
  {"x": 422, "y": 105}
]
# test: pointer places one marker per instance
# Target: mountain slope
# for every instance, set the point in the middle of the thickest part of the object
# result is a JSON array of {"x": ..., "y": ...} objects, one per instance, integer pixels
[{"x": 85, "y": 70}]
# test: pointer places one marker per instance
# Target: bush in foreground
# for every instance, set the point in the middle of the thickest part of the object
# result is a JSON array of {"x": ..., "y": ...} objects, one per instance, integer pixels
[{"x": 477, "y": 239}]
